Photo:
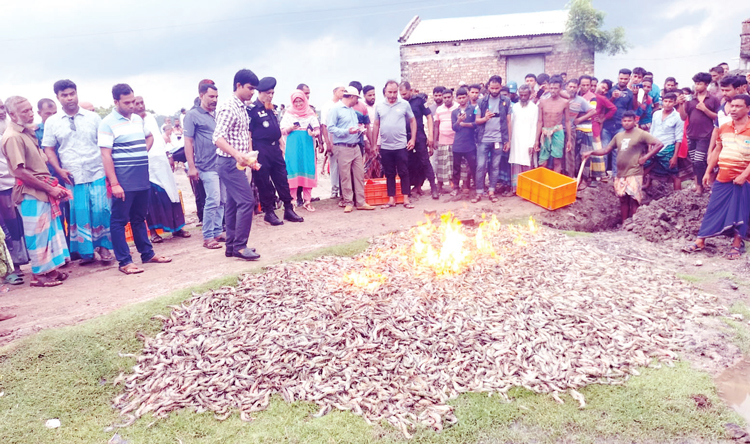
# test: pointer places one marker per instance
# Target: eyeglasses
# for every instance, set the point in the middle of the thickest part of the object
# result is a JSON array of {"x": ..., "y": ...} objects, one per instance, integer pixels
[{"x": 72, "y": 123}]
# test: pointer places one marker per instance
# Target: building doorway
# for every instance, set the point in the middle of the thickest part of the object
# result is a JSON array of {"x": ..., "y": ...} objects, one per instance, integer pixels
[{"x": 519, "y": 66}]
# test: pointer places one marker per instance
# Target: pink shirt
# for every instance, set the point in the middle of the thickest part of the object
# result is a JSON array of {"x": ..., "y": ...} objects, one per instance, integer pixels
[{"x": 443, "y": 115}]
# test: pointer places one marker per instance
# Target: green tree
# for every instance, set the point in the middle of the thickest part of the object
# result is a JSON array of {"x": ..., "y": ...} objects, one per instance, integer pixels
[
  {"x": 584, "y": 27},
  {"x": 104, "y": 112}
]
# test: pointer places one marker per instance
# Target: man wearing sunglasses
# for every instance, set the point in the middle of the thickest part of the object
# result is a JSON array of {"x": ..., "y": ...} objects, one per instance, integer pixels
[{"x": 78, "y": 161}]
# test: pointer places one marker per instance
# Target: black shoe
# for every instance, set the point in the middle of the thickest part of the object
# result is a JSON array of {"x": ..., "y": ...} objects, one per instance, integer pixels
[
  {"x": 291, "y": 216},
  {"x": 230, "y": 253},
  {"x": 300, "y": 202},
  {"x": 315, "y": 199},
  {"x": 248, "y": 254},
  {"x": 435, "y": 194},
  {"x": 273, "y": 219}
]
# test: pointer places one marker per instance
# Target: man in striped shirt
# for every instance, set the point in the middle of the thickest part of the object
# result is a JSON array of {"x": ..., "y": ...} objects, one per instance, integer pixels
[
  {"x": 232, "y": 139},
  {"x": 728, "y": 208},
  {"x": 124, "y": 142}
]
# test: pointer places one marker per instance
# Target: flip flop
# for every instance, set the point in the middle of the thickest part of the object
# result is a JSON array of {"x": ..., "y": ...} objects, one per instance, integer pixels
[
  {"x": 733, "y": 253},
  {"x": 408, "y": 205},
  {"x": 14, "y": 279},
  {"x": 211, "y": 244},
  {"x": 159, "y": 260},
  {"x": 308, "y": 207},
  {"x": 61, "y": 276},
  {"x": 386, "y": 206},
  {"x": 156, "y": 239},
  {"x": 131, "y": 268},
  {"x": 107, "y": 257},
  {"x": 44, "y": 283},
  {"x": 181, "y": 233},
  {"x": 693, "y": 248}
]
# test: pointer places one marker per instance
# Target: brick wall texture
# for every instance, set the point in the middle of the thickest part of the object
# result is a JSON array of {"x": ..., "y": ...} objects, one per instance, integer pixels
[
  {"x": 474, "y": 61},
  {"x": 744, "y": 41}
]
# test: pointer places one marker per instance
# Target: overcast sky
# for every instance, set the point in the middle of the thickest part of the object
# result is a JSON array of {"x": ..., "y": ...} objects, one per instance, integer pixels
[{"x": 163, "y": 48}]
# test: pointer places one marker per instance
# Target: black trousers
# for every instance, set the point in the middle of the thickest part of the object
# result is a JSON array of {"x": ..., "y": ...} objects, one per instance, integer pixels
[
  {"x": 420, "y": 167},
  {"x": 238, "y": 210},
  {"x": 393, "y": 161},
  {"x": 200, "y": 196},
  {"x": 471, "y": 161},
  {"x": 271, "y": 178}
]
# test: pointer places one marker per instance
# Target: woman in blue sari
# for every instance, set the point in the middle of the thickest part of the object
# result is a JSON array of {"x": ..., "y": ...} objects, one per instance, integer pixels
[{"x": 300, "y": 126}]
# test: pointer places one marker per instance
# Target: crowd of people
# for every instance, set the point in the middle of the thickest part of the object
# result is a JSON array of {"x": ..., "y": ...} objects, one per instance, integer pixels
[{"x": 73, "y": 186}]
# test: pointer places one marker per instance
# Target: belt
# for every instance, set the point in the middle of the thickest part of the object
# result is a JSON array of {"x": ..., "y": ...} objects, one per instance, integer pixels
[
  {"x": 348, "y": 145},
  {"x": 265, "y": 142}
]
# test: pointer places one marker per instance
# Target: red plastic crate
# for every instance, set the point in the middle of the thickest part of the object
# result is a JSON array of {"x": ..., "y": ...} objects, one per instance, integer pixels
[{"x": 376, "y": 192}]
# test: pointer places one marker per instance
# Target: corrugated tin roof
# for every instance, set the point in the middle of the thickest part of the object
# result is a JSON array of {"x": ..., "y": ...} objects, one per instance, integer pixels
[{"x": 486, "y": 27}]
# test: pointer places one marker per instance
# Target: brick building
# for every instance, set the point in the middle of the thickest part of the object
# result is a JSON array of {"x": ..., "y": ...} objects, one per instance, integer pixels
[{"x": 471, "y": 49}]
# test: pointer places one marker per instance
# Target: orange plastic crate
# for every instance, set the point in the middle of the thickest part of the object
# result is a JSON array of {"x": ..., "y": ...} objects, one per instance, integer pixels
[
  {"x": 547, "y": 188},
  {"x": 376, "y": 192}
]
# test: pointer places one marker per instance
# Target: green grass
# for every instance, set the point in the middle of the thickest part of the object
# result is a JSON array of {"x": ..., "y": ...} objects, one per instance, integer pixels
[
  {"x": 741, "y": 329},
  {"x": 346, "y": 249},
  {"x": 571, "y": 233},
  {"x": 65, "y": 373},
  {"x": 689, "y": 277}
]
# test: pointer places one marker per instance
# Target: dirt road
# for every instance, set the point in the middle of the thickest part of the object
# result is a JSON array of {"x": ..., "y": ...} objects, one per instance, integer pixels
[{"x": 94, "y": 290}]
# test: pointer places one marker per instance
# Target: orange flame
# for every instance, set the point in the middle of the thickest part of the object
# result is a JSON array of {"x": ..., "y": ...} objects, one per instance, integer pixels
[
  {"x": 367, "y": 279},
  {"x": 452, "y": 257}
]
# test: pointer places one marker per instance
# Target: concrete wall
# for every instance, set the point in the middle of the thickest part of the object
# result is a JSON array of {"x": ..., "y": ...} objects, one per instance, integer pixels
[{"x": 474, "y": 61}]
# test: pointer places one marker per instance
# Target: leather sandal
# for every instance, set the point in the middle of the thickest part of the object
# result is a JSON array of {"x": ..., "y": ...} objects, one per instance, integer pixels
[
  {"x": 211, "y": 244},
  {"x": 159, "y": 260},
  {"x": 131, "y": 268}
]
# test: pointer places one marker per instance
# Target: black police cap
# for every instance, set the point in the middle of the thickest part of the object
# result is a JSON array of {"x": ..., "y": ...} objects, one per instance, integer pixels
[{"x": 266, "y": 84}]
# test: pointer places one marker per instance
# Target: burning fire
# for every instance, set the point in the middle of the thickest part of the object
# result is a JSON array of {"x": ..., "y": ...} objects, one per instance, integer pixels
[
  {"x": 446, "y": 248},
  {"x": 367, "y": 279},
  {"x": 521, "y": 231},
  {"x": 453, "y": 251},
  {"x": 451, "y": 257}
]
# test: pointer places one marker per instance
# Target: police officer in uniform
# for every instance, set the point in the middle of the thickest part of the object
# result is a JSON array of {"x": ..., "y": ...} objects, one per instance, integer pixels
[{"x": 265, "y": 133}]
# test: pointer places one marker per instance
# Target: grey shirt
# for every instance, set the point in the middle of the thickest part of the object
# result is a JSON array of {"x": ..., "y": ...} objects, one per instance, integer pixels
[
  {"x": 78, "y": 149},
  {"x": 393, "y": 120},
  {"x": 493, "y": 128},
  {"x": 200, "y": 126}
]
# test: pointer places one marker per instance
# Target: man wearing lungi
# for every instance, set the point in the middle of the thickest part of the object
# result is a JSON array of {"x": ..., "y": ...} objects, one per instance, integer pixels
[
  {"x": 632, "y": 146},
  {"x": 550, "y": 138},
  {"x": 728, "y": 208},
  {"x": 74, "y": 132},
  {"x": 37, "y": 195}
]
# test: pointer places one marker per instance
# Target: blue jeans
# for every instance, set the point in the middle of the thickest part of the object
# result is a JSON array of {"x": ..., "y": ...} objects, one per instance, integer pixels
[
  {"x": 486, "y": 151},
  {"x": 213, "y": 209},
  {"x": 611, "y": 158},
  {"x": 133, "y": 209}
]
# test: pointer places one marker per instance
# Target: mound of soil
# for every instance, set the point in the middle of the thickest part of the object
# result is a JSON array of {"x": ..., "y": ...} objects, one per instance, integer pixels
[
  {"x": 598, "y": 208},
  {"x": 595, "y": 209},
  {"x": 676, "y": 216}
]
